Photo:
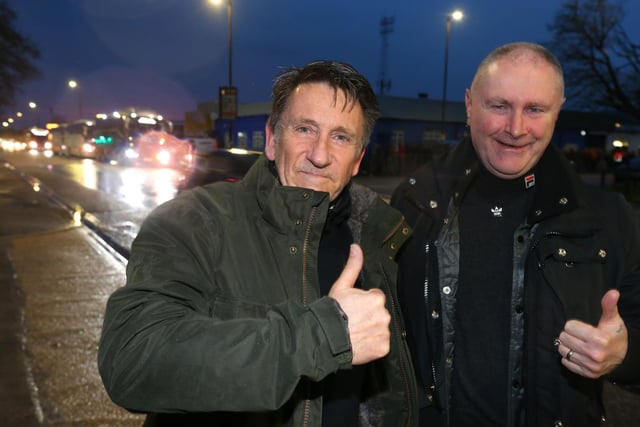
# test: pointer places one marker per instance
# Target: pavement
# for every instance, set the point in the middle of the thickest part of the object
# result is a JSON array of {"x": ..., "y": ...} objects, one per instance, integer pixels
[{"x": 55, "y": 277}]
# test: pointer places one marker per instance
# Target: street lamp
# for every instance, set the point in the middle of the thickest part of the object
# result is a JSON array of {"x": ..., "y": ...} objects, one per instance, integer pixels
[
  {"x": 73, "y": 85},
  {"x": 456, "y": 15}
]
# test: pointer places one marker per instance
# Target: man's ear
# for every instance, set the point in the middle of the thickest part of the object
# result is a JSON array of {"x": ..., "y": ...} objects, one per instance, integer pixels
[
  {"x": 356, "y": 166},
  {"x": 270, "y": 147},
  {"x": 467, "y": 103}
]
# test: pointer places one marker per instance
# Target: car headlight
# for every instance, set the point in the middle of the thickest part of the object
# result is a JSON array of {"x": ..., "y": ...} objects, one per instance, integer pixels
[
  {"x": 130, "y": 153},
  {"x": 163, "y": 157}
]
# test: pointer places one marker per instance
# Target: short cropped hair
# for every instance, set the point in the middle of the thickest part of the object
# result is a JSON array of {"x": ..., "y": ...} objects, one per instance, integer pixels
[{"x": 517, "y": 50}]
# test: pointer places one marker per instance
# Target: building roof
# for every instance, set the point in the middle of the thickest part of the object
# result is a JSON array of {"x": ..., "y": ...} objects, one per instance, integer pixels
[{"x": 420, "y": 109}]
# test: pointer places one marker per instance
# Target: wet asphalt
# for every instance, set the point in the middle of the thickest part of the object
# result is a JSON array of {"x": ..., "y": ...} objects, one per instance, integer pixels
[{"x": 55, "y": 277}]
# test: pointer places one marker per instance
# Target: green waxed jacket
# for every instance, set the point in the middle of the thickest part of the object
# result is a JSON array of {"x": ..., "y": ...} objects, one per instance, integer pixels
[{"x": 221, "y": 321}]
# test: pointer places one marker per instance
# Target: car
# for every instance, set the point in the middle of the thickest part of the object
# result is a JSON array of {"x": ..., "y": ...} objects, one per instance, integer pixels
[{"x": 219, "y": 165}]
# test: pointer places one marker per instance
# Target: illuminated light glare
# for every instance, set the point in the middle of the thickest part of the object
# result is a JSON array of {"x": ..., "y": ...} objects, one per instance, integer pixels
[
  {"x": 147, "y": 121},
  {"x": 39, "y": 132},
  {"x": 19, "y": 114},
  {"x": 163, "y": 157},
  {"x": 583, "y": 132},
  {"x": 77, "y": 217},
  {"x": 48, "y": 154},
  {"x": 238, "y": 151},
  {"x": 86, "y": 174},
  {"x": 130, "y": 153},
  {"x": 164, "y": 184},
  {"x": 617, "y": 143},
  {"x": 36, "y": 187},
  {"x": 457, "y": 15},
  {"x": 131, "y": 191}
]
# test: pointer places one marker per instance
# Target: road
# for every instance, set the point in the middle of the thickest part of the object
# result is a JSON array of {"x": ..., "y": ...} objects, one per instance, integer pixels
[{"x": 114, "y": 199}]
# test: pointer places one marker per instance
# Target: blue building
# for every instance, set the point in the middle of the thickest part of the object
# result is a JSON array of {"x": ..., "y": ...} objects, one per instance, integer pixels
[{"x": 411, "y": 129}]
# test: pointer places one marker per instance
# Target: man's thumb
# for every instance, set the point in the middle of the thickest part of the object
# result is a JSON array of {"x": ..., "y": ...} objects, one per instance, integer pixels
[
  {"x": 351, "y": 270},
  {"x": 609, "y": 305}
]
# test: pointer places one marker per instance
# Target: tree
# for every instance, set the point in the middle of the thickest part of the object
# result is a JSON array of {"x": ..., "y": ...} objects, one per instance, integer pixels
[
  {"x": 17, "y": 53},
  {"x": 601, "y": 63}
]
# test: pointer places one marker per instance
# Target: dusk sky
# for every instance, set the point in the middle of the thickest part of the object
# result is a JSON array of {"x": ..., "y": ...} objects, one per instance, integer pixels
[{"x": 169, "y": 55}]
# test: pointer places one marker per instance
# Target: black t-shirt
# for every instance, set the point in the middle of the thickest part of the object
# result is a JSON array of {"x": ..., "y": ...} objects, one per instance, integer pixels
[{"x": 491, "y": 211}]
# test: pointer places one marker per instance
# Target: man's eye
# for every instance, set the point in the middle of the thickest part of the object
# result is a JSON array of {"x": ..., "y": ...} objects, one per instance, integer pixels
[
  {"x": 304, "y": 130},
  {"x": 342, "y": 139}
]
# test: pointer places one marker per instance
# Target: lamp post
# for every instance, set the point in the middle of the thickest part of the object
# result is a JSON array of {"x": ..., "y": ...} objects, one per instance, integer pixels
[
  {"x": 228, "y": 96},
  {"x": 229, "y": 34},
  {"x": 456, "y": 15},
  {"x": 73, "y": 85}
]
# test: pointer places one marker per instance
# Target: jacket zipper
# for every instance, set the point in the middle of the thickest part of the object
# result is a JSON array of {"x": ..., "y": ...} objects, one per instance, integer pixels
[
  {"x": 305, "y": 250},
  {"x": 305, "y": 289},
  {"x": 427, "y": 250}
]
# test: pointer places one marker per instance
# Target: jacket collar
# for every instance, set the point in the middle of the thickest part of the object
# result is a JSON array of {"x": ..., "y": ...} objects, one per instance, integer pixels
[
  {"x": 557, "y": 189},
  {"x": 280, "y": 205}
]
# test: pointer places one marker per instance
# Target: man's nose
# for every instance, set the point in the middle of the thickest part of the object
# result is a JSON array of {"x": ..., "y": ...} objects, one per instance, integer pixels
[
  {"x": 320, "y": 154},
  {"x": 517, "y": 126}
]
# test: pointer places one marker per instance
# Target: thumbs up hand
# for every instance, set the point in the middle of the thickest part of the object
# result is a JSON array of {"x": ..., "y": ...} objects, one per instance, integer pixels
[
  {"x": 368, "y": 319},
  {"x": 595, "y": 351}
]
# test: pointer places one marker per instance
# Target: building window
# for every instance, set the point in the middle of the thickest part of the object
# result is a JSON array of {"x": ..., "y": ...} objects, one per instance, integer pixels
[
  {"x": 258, "y": 140},
  {"x": 242, "y": 140},
  {"x": 432, "y": 135},
  {"x": 397, "y": 139}
]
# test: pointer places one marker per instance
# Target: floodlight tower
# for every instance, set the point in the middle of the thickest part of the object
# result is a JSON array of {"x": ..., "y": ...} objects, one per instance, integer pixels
[{"x": 386, "y": 28}]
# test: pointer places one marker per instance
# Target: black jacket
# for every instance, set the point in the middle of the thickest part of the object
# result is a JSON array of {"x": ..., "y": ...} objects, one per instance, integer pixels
[{"x": 576, "y": 243}]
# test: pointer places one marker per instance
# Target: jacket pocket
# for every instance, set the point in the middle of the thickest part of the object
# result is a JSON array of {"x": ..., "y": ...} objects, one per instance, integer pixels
[{"x": 574, "y": 268}]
